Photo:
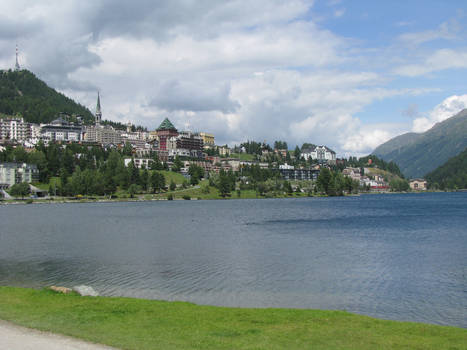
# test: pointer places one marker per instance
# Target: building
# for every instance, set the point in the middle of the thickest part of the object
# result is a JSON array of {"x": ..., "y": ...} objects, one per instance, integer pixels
[
  {"x": 191, "y": 141},
  {"x": 378, "y": 184},
  {"x": 286, "y": 167},
  {"x": 164, "y": 132},
  {"x": 139, "y": 163},
  {"x": 185, "y": 144},
  {"x": 103, "y": 134},
  {"x": 135, "y": 135},
  {"x": 61, "y": 130},
  {"x": 353, "y": 173},
  {"x": 322, "y": 154},
  {"x": 418, "y": 184},
  {"x": 14, "y": 129},
  {"x": 224, "y": 151},
  {"x": 208, "y": 139},
  {"x": 281, "y": 152},
  {"x": 140, "y": 147},
  {"x": 299, "y": 174},
  {"x": 14, "y": 173}
]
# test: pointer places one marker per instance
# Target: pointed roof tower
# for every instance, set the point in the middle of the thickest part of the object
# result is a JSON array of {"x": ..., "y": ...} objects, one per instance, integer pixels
[
  {"x": 17, "y": 67},
  {"x": 98, "y": 110},
  {"x": 166, "y": 125}
]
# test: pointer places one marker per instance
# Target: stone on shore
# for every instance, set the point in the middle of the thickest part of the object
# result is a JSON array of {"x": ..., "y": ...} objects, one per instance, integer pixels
[
  {"x": 85, "y": 291},
  {"x": 63, "y": 290}
]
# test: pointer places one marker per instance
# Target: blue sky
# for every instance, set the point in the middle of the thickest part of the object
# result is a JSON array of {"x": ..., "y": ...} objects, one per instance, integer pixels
[
  {"x": 347, "y": 74},
  {"x": 379, "y": 25}
]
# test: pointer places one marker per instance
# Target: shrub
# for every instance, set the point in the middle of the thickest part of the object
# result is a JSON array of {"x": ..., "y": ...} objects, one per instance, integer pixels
[
  {"x": 170, "y": 197},
  {"x": 186, "y": 197}
]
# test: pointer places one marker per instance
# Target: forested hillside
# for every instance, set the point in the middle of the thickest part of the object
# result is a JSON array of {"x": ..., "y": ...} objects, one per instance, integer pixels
[
  {"x": 450, "y": 175},
  {"x": 21, "y": 92}
]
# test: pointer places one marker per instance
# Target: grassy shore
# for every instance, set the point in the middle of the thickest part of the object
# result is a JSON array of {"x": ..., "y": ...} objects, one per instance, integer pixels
[{"x": 148, "y": 324}]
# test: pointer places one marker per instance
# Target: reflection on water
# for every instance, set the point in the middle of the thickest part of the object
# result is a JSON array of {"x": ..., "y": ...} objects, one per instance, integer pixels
[{"x": 391, "y": 256}]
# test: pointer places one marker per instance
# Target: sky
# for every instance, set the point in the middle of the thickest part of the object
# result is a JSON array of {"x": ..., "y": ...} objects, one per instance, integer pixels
[{"x": 346, "y": 74}]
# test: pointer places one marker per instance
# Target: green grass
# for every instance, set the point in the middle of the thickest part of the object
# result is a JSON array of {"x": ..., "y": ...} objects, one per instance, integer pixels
[
  {"x": 243, "y": 156},
  {"x": 171, "y": 175},
  {"x": 46, "y": 186},
  {"x": 148, "y": 324},
  {"x": 194, "y": 192},
  {"x": 197, "y": 192}
]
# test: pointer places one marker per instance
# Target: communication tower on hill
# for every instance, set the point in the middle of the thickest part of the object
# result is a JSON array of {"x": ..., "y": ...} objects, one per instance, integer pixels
[{"x": 17, "y": 67}]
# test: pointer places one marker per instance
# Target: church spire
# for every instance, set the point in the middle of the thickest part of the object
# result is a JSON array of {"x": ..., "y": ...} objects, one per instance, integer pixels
[
  {"x": 17, "y": 67},
  {"x": 98, "y": 110}
]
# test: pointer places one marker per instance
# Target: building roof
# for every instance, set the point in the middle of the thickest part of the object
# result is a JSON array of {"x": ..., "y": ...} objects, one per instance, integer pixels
[
  {"x": 59, "y": 121},
  {"x": 17, "y": 165},
  {"x": 166, "y": 125},
  {"x": 314, "y": 148}
]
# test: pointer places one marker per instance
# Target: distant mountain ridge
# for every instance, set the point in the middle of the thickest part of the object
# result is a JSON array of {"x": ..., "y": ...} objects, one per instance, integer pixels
[
  {"x": 418, "y": 154},
  {"x": 21, "y": 92}
]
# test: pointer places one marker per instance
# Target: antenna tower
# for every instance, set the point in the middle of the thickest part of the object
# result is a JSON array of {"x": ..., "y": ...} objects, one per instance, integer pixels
[{"x": 17, "y": 67}]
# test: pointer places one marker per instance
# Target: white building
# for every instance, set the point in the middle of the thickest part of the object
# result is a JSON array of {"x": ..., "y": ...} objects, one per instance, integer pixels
[
  {"x": 319, "y": 153},
  {"x": 14, "y": 129},
  {"x": 61, "y": 130},
  {"x": 13, "y": 173},
  {"x": 140, "y": 163},
  {"x": 286, "y": 167}
]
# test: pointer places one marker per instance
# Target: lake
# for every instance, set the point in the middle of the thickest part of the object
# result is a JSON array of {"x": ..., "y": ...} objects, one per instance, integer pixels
[{"x": 393, "y": 256}]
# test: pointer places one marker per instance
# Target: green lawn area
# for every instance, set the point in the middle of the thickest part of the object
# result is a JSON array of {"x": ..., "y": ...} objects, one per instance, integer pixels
[
  {"x": 148, "y": 324},
  {"x": 243, "y": 156},
  {"x": 45, "y": 186},
  {"x": 171, "y": 175},
  {"x": 199, "y": 192},
  {"x": 194, "y": 192}
]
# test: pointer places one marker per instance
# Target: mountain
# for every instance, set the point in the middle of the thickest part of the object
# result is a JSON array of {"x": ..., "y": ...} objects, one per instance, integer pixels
[
  {"x": 452, "y": 174},
  {"x": 397, "y": 143},
  {"x": 418, "y": 154},
  {"x": 21, "y": 92}
]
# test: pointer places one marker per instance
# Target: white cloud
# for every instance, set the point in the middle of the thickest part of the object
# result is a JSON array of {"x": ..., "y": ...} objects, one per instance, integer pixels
[
  {"x": 439, "y": 60},
  {"x": 258, "y": 70},
  {"x": 446, "y": 109},
  {"x": 446, "y": 31},
  {"x": 339, "y": 13},
  {"x": 368, "y": 137}
]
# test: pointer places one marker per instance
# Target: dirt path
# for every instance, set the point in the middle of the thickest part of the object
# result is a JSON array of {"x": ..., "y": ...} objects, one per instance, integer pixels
[{"x": 14, "y": 337}]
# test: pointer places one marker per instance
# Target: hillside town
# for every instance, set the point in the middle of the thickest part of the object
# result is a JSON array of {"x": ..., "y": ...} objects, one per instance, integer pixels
[{"x": 177, "y": 150}]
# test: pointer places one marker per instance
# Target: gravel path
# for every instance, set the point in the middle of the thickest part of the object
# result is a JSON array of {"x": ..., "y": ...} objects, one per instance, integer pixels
[{"x": 14, "y": 337}]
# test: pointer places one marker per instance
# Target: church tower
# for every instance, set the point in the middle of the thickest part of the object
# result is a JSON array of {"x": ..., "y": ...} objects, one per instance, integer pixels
[
  {"x": 98, "y": 110},
  {"x": 17, "y": 67}
]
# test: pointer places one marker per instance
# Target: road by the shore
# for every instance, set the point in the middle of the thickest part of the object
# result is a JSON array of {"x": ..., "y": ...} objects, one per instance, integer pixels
[{"x": 13, "y": 337}]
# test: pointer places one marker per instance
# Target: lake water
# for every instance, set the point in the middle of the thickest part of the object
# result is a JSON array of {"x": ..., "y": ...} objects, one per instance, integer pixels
[{"x": 400, "y": 257}]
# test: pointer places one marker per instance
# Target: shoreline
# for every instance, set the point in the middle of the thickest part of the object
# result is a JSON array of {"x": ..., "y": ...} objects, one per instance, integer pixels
[
  {"x": 104, "y": 200},
  {"x": 132, "y": 323}
]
